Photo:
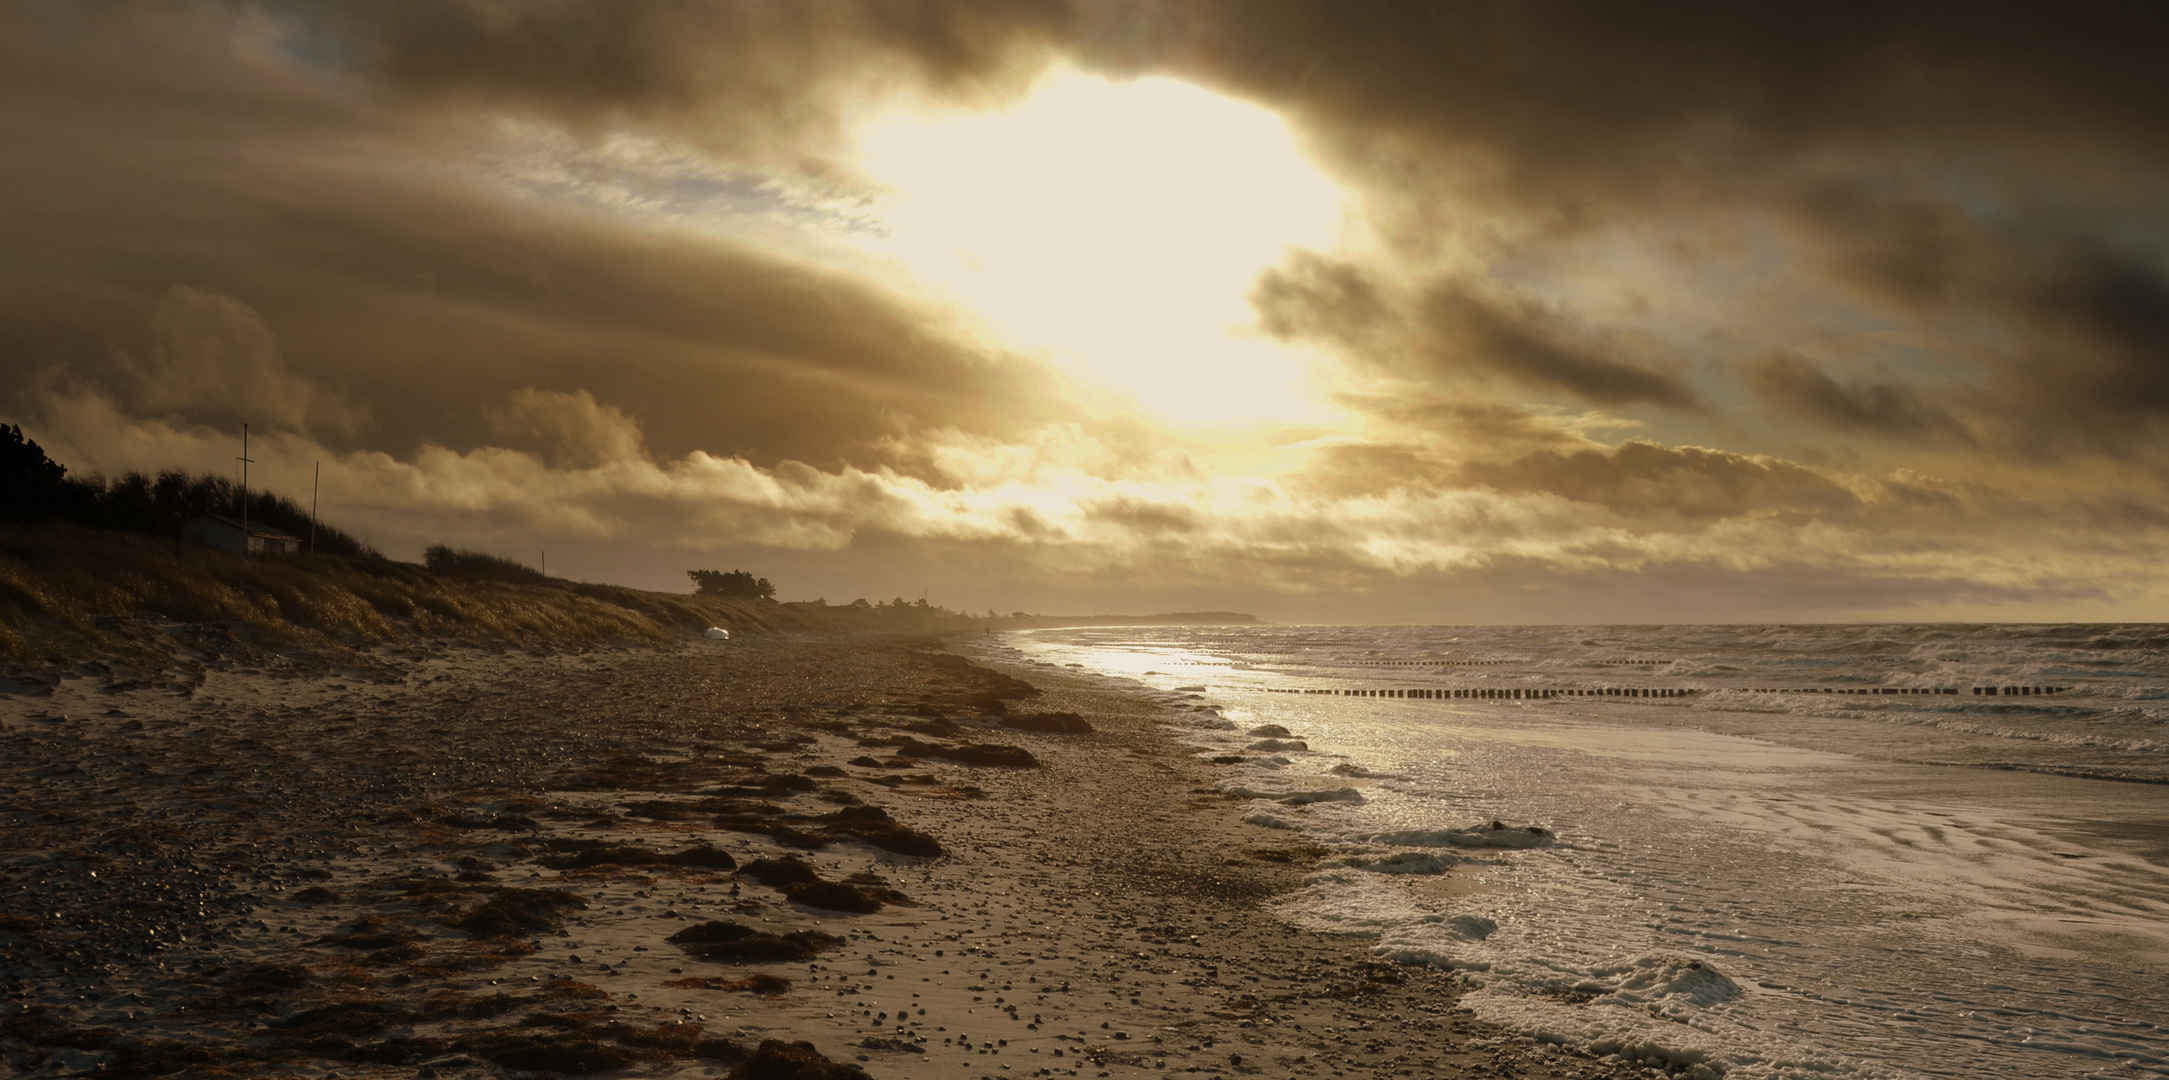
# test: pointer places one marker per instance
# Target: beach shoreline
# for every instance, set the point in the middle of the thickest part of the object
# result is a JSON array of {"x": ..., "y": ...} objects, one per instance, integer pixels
[{"x": 457, "y": 862}]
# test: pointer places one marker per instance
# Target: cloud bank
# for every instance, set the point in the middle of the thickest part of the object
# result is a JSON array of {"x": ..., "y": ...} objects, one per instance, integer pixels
[{"x": 1707, "y": 311}]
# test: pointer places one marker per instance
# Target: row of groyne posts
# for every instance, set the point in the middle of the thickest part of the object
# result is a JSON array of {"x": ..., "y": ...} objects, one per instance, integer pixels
[
  {"x": 1497, "y": 692},
  {"x": 1524, "y": 693}
]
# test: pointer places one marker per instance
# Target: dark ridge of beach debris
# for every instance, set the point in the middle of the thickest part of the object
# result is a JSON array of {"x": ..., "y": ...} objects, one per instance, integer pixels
[
  {"x": 1065, "y": 723},
  {"x": 969, "y": 753},
  {"x": 775, "y": 1059},
  {"x": 782, "y": 858},
  {"x": 582, "y": 854},
  {"x": 736, "y": 943}
]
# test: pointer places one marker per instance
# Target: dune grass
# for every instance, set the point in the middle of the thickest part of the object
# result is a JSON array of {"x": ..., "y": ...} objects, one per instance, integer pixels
[{"x": 62, "y": 586}]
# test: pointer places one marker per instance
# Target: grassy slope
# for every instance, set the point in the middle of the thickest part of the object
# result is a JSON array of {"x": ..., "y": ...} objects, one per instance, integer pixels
[{"x": 60, "y": 585}]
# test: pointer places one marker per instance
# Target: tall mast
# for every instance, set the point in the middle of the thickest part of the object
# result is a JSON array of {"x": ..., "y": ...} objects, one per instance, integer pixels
[{"x": 244, "y": 459}]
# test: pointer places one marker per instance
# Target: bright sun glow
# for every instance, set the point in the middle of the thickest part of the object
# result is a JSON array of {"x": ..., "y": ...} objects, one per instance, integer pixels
[{"x": 1116, "y": 228}]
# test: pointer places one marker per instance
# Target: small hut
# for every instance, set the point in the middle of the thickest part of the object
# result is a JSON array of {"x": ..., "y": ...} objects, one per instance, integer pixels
[{"x": 220, "y": 531}]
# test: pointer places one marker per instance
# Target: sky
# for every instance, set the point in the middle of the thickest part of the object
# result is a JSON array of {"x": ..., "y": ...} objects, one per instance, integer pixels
[{"x": 1468, "y": 311}]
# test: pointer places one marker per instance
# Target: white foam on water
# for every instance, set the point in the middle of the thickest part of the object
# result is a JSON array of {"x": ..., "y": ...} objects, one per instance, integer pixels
[
  {"x": 1349, "y": 900},
  {"x": 1703, "y": 1046},
  {"x": 1495, "y": 835},
  {"x": 1399, "y": 862},
  {"x": 1295, "y": 797}
]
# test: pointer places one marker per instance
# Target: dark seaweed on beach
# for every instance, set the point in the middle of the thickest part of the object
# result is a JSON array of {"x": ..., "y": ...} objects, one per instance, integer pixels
[
  {"x": 365, "y": 932},
  {"x": 775, "y": 1059},
  {"x": 777, "y": 873},
  {"x": 801, "y": 885},
  {"x": 833, "y": 896},
  {"x": 345, "y": 1018},
  {"x": 704, "y": 856},
  {"x": 636, "y": 772},
  {"x": 583, "y": 854},
  {"x": 762, "y": 984},
  {"x": 131, "y": 1056},
  {"x": 504, "y": 822},
  {"x": 262, "y": 977},
  {"x": 543, "y": 1042},
  {"x": 1061, "y": 723},
  {"x": 809, "y": 832},
  {"x": 675, "y": 810},
  {"x": 969, "y": 753},
  {"x": 873, "y": 825},
  {"x": 777, "y": 785},
  {"x": 736, "y": 943},
  {"x": 574, "y": 1054},
  {"x": 514, "y": 912},
  {"x": 872, "y": 1042}
]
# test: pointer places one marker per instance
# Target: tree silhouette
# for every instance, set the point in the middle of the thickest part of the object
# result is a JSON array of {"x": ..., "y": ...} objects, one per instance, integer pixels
[
  {"x": 32, "y": 485},
  {"x": 734, "y": 583}
]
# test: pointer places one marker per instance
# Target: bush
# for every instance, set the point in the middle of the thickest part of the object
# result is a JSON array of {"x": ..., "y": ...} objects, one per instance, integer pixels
[
  {"x": 460, "y": 562},
  {"x": 735, "y": 583}
]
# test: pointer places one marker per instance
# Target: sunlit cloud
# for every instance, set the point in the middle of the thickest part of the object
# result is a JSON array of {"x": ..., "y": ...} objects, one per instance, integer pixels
[
  {"x": 1115, "y": 228},
  {"x": 1062, "y": 505}
]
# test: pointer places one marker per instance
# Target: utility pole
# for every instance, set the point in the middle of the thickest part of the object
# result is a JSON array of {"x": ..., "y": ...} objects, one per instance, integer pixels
[
  {"x": 314, "y": 486},
  {"x": 244, "y": 460},
  {"x": 545, "y": 562}
]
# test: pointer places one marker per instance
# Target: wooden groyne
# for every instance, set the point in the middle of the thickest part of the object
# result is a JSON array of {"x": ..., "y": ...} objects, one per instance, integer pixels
[
  {"x": 1434, "y": 663},
  {"x": 1530, "y": 693}
]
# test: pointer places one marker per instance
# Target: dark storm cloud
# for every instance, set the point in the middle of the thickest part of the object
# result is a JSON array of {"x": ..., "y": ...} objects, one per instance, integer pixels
[
  {"x": 762, "y": 76},
  {"x": 1985, "y": 174},
  {"x": 1540, "y": 346},
  {"x": 1574, "y": 98},
  {"x": 2061, "y": 312},
  {"x": 1690, "y": 481},
  {"x": 2111, "y": 308},
  {"x": 1846, "y": 116},
  {"x": 1567, "y": 98},
  {"x": 1447, "y": 329},
  {"x": 146, "y": 156},
  {"x": 2077, "y": 295},
  {"x": 1790, "y": 385},
  {"x": 1424, "y": 441},
  {"x": 1911, "y": 248}
]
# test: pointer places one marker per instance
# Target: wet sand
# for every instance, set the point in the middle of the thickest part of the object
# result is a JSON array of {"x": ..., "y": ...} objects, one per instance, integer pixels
[{"x": 463, "y": 863}]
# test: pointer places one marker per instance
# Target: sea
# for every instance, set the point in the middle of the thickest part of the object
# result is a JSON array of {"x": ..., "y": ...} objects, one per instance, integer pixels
[{"x": 1757, "y": 852}]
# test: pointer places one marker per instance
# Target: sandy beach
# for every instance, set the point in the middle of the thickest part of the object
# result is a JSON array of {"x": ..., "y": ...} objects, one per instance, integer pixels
[{"x": 455, "y": 862}]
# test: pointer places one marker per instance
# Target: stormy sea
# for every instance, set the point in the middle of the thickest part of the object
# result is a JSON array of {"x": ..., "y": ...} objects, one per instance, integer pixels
[{"x": 1747, "y": 851}]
